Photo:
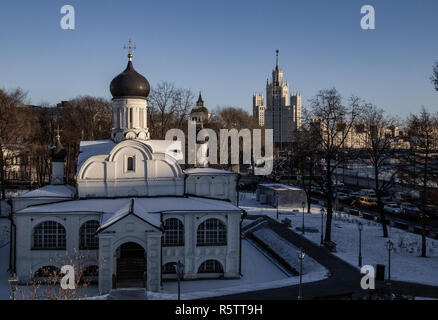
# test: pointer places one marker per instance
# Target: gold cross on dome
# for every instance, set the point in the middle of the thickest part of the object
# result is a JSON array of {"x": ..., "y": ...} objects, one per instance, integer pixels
[
  {"x": 58, "y": 133},
  {"x": 130, "y": 47}
]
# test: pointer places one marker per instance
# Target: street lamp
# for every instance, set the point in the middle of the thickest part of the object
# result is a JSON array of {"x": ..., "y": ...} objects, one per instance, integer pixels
[
  {"x": 389, "y": 246},
  {"x": 13, "y": 284},
  {"x": 322, "y": 225},
  {"x": 301, "y": 255},
  {"x": 303, "y": 204},
  {"x": 360, "y": 227},
  {"x": 179, "y": 269}
]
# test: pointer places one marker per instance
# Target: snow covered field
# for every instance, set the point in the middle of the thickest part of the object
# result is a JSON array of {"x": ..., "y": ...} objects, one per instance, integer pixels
[{"x": 406, "y": 264}]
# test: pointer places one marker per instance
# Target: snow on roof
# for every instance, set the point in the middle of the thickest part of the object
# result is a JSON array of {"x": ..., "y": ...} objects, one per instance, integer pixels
[
  {"x": 207, "y": 171},
  {"x": 163, "y": 146},
  {"x": 279, "y": 186},
  {"x": 88, "y": 149},
  {"x": 78, "y": 206},
  {"x": 148, "y": 209},
  {"x": 51, "y": 191}
]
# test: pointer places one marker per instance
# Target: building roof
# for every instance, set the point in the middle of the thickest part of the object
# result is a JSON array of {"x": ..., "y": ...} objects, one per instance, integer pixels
[
  {"x": 207, "y": 171},
  {"x": 50, "y": 191},
  {"x": 148, "y": 209},
  {"x": 278, "y": 186},
  {"x": 88, "y": 149},
  {"x": 130, "y": 84}
]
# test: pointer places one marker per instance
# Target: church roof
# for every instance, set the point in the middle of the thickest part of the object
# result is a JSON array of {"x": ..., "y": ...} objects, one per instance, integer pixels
[
  {"x": 148, "y": 209},
  {"x": 51, "y": 191},
  {"x": 89, "y": 149},
  {"x": 207, "y": 171},
  {"x": 130, "y": 84},
  {"x": 57, "y": 152}
]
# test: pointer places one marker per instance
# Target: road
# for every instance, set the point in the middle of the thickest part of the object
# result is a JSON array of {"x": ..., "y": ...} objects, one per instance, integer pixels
[{"x": 431, "y": 224}]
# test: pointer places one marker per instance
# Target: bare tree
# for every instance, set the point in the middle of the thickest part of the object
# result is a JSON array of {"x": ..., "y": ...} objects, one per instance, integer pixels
[
  {"x": 420, "y": 164},
  {"x": 14, "y": 129},
  {"x": 434, "y": 77},
  {"x": 378, "y": 153},
  {"x": 83, "y": 118},
  {"x": 163, "y": 102},
  {"x": 184, "y": 102},
  {"x": 331, "y": 123},
  {"x": 304, "y": 160}
]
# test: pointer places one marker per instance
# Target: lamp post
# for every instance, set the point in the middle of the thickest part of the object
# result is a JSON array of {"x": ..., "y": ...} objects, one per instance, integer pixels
[
  {"x": 179, "y": 268},
  {"x": 389, "y": 246},
  {"x": 322, "y": 225},
  {"x": 301, "y": 255},
  {"x": 13, "y": 284},
  {"x": 303, "y": 204},
  {"x": 360, "y": 227}
]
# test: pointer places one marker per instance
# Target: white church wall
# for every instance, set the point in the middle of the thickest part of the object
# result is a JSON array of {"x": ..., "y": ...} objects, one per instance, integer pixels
[
  {"x": 29, "y": 260},
  {"x": 192, "y": 255},
  {"x": 216, "y": 186},
  {"x": 153, "y": 174}
]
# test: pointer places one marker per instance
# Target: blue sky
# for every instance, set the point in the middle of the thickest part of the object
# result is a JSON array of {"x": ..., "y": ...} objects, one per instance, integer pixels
[{"x": 226, "y": 49}]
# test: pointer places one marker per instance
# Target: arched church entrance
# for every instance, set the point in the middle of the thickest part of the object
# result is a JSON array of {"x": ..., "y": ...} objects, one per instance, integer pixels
[{"x": 131, "y": 266}]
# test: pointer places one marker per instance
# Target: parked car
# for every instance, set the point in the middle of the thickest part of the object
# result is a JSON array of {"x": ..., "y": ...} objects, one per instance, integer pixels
[
  {"x": 366, "y": 202},
  {"x": 387, "y": 200},
  {"x": 392, "y": 208},
  {"x": 400, "y": 197},
  {"x": 408, "y": 207},
  {"x": 355, "y": 195},
  {"x": 432, "y": 211},
  {"x": 343, "y": 196},
  {"x": 410, "y": 210},
  {"x": 367, "y": 193}
]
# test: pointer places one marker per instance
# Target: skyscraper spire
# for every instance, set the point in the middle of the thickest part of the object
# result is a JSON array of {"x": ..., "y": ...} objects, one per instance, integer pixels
[{"x": 276, "y": 58}]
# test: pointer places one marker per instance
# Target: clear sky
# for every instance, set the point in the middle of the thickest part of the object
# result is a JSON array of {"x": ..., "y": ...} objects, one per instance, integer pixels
[{"x": 224, "y": 48}]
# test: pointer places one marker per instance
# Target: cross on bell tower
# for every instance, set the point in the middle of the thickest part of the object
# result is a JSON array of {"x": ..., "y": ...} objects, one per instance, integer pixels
[
  {"x": 130, "y": 47},
  {"x": 58, "y": 133}
]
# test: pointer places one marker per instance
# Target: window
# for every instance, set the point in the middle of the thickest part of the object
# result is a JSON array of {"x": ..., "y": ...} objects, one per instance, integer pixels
[
  {"x": 173, "y": 232},
  {"x": 48, "y": 271},
  {"x": 49, "y": 235},
  {"x": 211, "y": 266},
  {"x": 130, "y": 118},
  {"x": 130, "y": 166},
  {"x": 212, "y": 232},
  {"x": 169, "y": 268},
  {"x": 90, "y": 271},
  {"x": 88, "y": 237}
]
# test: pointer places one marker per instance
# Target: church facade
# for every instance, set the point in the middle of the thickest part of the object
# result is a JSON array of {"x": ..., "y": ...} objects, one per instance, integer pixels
[{"x": 134, "y": 212}]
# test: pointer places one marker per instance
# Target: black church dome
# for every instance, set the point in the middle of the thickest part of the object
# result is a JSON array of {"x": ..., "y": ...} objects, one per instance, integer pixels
[{"x": 130, "y": 84}]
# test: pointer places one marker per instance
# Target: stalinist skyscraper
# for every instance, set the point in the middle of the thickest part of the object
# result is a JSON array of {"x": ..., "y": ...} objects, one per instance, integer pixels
[{"x": 282, "y": 112}]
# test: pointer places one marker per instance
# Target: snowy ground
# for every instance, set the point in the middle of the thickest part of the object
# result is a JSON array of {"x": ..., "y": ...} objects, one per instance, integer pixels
[
  {"x": 406, "y": 265},
  {"x": 258, "y": 273}
]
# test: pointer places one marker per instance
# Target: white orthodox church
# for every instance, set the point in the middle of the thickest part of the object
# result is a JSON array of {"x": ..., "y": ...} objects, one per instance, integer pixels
[{"x": 134, "y": 212}]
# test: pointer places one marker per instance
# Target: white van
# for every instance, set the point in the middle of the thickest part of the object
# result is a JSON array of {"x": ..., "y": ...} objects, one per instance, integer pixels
[{"x": 367, "y": 193}]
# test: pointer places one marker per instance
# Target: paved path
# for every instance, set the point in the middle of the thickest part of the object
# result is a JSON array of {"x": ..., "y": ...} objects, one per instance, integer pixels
[{"x": 343, "y": 282}]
